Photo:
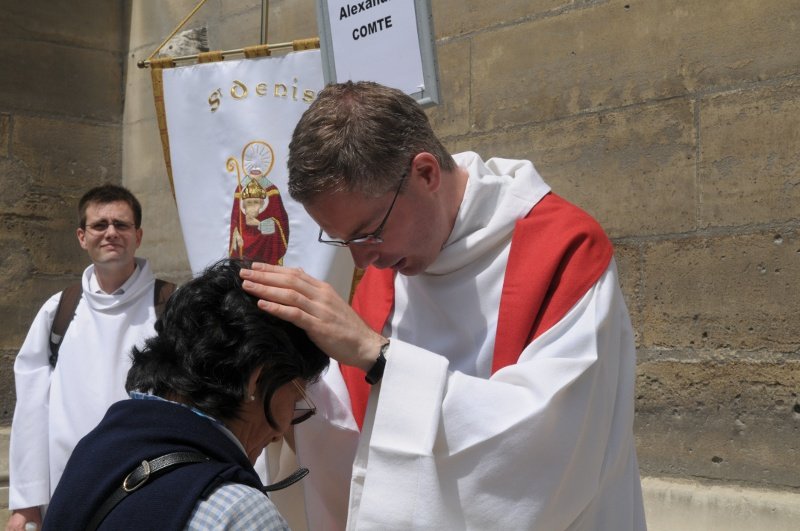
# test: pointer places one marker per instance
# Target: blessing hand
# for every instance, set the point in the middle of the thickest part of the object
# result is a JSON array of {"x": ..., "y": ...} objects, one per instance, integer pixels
[{"x": 313, "y": 305}]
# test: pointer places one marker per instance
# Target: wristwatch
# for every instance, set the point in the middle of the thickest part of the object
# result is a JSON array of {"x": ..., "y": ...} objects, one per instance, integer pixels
[{"x": 375, "y": 374}]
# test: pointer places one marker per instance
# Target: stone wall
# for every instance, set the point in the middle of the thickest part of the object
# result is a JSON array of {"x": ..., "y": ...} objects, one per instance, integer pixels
[
  {"x": 676, "y": 124},
  {"x": 61, "y": 80}
]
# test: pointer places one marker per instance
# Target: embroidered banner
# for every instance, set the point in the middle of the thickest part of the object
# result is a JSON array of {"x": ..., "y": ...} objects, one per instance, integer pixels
[{"x": 229, "y": 125}]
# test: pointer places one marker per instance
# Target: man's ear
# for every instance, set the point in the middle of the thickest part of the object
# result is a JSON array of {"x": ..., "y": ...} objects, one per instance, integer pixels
[
  {"x": 426, "y": 167},
  {"x": 81, "y": 233}
]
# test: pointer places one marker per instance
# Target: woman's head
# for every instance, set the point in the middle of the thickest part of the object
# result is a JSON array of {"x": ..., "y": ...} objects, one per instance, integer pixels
[{"x": 215, "y": 349}]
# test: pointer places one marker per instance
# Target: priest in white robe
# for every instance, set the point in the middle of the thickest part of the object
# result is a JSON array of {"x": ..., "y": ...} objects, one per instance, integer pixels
[{"x": 491, "y": 329}]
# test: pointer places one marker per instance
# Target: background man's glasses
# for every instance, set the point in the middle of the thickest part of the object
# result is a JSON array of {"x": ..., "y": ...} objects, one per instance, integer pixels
[{"x": 101, "y": 226}]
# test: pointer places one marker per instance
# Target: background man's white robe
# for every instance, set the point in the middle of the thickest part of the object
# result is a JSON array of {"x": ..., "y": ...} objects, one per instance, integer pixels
[{"x": 56, "y": 408}]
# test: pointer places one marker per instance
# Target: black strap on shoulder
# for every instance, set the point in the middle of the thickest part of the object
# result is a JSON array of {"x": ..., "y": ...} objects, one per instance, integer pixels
[
  {"x": 140, "y": 476},
  {"x": 68, "y": 303},
  {"x": 65, "y": 311},
  {"x": 150, "y": 470}
]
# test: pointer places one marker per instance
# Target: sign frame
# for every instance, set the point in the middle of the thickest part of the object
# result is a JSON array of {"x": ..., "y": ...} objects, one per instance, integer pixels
[{"x": 429, "y": 94}]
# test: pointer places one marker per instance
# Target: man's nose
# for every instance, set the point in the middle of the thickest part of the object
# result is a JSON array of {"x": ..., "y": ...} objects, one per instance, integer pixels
[{"x": 363, "y": 255}]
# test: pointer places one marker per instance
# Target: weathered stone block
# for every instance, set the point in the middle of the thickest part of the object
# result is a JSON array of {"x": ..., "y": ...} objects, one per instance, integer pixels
[
  {"x": 288, "y": 20},
  {"x": 632, "y": 169},
  {"x": 456, "y": 17},
  {"x": 41, "y": 244},
  {"x": 619, "y": 53},
  {"x": 20, "y": 303},
  {"x": 162, "y": 242},
  {"x": 733, "y": 421},
  {"x": 628, "y": 259},
  {"x": 7, "y": 392},
  {"x": 726, "y": 292},
  {"x": 86, "y": 24},
  {"x": 43, "y": 77},
  {"x": 139, "y": 102},
  {"x": 239, "y": 29},
  {"x": 66, "y": 156},
  {"x": 5, "y": 133},
  {"x": 451, "y": 116},
  {"x": 16, "y": 180},
  {"x": 143, "y": 156},
  {"x": 750, "y": 156},
  {"x": 15, "y": 258},
  {"x": 146, "y": 176}
]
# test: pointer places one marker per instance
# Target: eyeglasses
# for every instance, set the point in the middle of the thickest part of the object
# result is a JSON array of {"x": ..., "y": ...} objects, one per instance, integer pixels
[
  {"x": 301, "y": 414},
  {"x": 368, "y": 239},
  {"x": 100, "y": 227}
]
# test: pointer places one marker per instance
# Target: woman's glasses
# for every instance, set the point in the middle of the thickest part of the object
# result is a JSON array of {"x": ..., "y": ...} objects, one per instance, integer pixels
[{"x": 305, "y": 408}]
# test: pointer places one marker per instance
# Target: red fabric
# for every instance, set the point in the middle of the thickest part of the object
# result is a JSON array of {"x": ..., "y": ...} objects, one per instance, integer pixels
[
  {"x": 557, "y": 254},
  {"x": 258, "y": 247},
  {"x": 373, "y": 301}
]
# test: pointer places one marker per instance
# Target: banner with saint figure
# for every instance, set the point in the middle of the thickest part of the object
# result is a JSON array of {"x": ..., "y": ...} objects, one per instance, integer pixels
[{"x": 228, "y": 126}]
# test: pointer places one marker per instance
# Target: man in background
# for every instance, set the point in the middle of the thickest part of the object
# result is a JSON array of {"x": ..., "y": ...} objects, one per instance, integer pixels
[{"x": 66, "y": 380}]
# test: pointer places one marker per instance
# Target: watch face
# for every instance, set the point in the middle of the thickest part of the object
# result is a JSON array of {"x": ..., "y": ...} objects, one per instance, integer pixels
[{"x": 258, "y": 159}]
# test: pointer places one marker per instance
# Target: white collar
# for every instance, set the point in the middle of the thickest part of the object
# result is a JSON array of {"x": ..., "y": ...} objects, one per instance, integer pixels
[
  {"x": 94, "y": 285},
  {"x": 498, "y": 193}
]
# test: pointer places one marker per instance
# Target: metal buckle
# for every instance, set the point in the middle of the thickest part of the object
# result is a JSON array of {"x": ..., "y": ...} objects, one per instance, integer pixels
[{"x": 146, "y": 467}]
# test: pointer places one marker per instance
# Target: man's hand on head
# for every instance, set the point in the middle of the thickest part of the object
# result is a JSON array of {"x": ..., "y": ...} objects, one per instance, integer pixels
[{"x": 313, "y": 305}]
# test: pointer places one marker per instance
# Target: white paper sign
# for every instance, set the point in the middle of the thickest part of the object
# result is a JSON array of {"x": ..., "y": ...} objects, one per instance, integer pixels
[{"x": 386, "y": 41}]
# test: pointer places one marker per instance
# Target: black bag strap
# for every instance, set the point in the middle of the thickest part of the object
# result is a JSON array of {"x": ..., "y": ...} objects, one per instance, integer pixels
[
  {"x": 140, "y": 476},
  {"x": 65, "y": 311},
  {"x": 150, "y": 470},
  {"x": 68, "y": 303}
]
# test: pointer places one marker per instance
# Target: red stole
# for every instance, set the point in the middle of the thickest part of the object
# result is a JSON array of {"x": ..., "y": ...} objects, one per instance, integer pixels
[{"x": 557, "y": 254}]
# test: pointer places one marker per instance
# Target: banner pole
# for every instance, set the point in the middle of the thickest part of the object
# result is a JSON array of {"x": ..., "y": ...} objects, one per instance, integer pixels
[{"x": 264, "y": 20}]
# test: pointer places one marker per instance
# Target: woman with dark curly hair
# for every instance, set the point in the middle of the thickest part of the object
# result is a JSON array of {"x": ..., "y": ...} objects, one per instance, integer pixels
[{"x": 219, "y": 382}]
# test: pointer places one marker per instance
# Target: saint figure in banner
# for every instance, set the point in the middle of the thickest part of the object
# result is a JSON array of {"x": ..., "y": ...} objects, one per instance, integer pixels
[{"x": 259, "y": 223}]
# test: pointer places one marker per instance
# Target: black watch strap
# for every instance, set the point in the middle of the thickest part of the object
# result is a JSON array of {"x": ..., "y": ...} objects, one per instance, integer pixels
[{"x": 375, "y": 374}]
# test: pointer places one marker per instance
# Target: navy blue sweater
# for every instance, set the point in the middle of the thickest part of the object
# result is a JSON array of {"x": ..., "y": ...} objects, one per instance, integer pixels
[{"x": 137, "y": 430}]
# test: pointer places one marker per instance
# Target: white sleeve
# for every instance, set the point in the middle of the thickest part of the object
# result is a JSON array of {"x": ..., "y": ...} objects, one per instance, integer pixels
[
  {"x": 326, "y": 445},
  {"x": 526, "y": 449},
  {"x": 29, "y": 465}
]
